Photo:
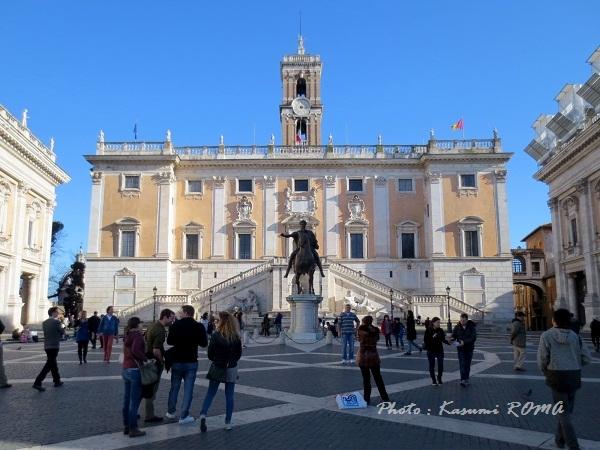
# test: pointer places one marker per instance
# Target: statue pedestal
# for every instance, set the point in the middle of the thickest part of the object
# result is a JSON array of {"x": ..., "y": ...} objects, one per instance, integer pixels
[{"x": 305, "y": 320}]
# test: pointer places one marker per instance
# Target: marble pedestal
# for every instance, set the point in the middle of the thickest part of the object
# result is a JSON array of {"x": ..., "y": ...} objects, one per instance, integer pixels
[{"x": 305, "y": 321}]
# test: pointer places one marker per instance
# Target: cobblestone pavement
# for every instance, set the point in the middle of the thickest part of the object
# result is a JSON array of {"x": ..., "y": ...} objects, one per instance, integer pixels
[{"x": 285, "y": 399}]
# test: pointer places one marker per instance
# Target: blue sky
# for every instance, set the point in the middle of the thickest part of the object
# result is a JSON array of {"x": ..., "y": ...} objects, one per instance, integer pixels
[{"x": 204, "y": 69}]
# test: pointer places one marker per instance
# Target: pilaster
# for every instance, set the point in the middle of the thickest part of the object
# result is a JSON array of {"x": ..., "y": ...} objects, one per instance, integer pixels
[
  {"x": 381, "y": 217},
  {"x": 270, "y": 217},
  {"x": 331, "y": 226},
  {"x": 165, "y": 181},
  {"x": 219, "y": 228},
  {"x": 501, "y": 212},
  {"x": 436, "y": 212},
  {"x": 96, "y": 209},
  {"x": 561, "y": 293}
]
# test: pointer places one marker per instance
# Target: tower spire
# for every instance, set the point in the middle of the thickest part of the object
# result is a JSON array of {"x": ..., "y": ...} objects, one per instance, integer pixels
[{"x": 300, "y": 38}]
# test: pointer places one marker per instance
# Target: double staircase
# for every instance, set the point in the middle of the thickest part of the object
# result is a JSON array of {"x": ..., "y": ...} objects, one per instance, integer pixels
[{"x": 218, "y": 296}]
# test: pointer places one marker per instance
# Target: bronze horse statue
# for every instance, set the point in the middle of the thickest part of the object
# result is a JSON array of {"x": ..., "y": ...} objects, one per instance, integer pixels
[{"x": 304, "y": 262}]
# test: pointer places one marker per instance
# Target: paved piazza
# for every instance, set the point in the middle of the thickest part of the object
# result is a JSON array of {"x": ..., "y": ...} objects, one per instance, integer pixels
[{"x": 285, "y": 400}]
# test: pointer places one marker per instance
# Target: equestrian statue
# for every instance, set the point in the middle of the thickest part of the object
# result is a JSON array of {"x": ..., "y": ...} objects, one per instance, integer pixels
[{"x": 305, "y": 257}]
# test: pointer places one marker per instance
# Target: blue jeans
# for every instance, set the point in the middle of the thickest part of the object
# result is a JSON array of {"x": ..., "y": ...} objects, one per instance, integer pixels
[
  {"x": 464, "y": 363},
  {"x": 187, "y": 373},
  {"x": 213, "y": 387},
  {"x": 400, "y": 337},
  {"x": 132, "y": 397},
  {"x": 412, "y": 344},
  {"x": 347, "y": 346}
]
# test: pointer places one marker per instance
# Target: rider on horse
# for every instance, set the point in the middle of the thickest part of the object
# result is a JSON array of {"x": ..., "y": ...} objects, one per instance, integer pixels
[{"x": 313, "y": 246}]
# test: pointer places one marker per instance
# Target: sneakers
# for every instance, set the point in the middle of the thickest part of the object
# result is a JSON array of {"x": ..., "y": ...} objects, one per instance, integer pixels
[
  {"x": 519, "y": 369},
  {"x": 343, "y": 361},
  {"x": 186, "y": 420},
  {"x": 38, "y": 387},
  {"x": 203, "y": 423},
  {"x": 439, "y": 381},
  {"x": 434, "y": 383},
  {"x": 170, "y": 416},
  {"x": 463, "y": 383},
  {"x": 350, "y": 361},
  {"x": 228, "y": 426},
  {"x": 126, "y": 430},
  {"x": 135, "y": 432}
]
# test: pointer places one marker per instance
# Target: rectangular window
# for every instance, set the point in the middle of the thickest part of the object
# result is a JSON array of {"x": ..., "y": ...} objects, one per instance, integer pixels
[
  {"x": 132, "y": 181},
  {"x": 535, "y": 267},
  {"x": 30, "y": 234},
  {"x": 191, "y": 246},
  {"x": 408, "y": 245},
  {"x": 574, "y": 231},
  {"x": 471, "y": 243},
  {"x": 468, "y": 181},
  {"x": 355, "y": 185},
  {"x": 128, "y": 244},
  {"x": 405, "y": 185},
  {"x": 245, "y": 185},
  {"x": 245, "y": 246},
  {"x": 194, "y": 186},
  {"x": 356, "y": 245},
  {"x": 301, "y": 185}
]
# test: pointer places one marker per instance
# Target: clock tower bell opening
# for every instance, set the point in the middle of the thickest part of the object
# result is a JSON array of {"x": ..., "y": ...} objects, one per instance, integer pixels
[{"x": 301, "y": 109}]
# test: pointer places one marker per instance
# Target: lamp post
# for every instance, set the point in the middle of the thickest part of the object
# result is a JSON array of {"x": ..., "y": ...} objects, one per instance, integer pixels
[
  {"x": 448, "y": 300},
  {"x": 154, "y": 290},
  {"x": 210, "y": 293},
  {"x": 392, "y": 303}
]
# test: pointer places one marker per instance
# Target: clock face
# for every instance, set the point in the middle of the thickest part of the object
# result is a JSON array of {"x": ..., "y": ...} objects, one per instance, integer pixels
[{"x": 301, "y": 106}]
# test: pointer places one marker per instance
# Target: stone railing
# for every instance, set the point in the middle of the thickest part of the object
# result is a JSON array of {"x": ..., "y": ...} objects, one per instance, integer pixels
[
  {"x": 199, "y": 299},
  {"x": 455, "y": 304},
  {"x": 159, "y": 300},
  {"x": 332, "y": 151},
  {"x": 400, "y": 298},
  {"x": 8, "y": 120}
]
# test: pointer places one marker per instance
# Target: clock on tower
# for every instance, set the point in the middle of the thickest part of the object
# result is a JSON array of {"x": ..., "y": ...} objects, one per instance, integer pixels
[{"x": 301, "y": 109}]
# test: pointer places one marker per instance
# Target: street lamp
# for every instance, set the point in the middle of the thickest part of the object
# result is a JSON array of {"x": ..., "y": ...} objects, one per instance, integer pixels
[
  {"x": 210, "y": 293},
  {"x": 154, "y": 304},
  {"x": 448, "y": 299},
  {"x": 392, "y": 303}
]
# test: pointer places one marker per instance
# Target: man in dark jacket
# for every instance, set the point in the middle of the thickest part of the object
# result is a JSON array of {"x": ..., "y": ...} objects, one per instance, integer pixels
[
  {"x": 560, "y": 356},
  {"x": 518, "y": 337},
  {"x": 185, "y": 335},
  {"x": 595, "y": 329},
  {"x": 3, "y": 381},
  {"x": 53, "y": 332},
  {"x": 465, "y": 335},
  {"x": 93, "y": 324}
]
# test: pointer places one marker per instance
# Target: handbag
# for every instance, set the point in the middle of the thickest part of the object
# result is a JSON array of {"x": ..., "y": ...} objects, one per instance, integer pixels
[
  {"x": 148, "y": 372},
  {"x": 217, "y": 373}
]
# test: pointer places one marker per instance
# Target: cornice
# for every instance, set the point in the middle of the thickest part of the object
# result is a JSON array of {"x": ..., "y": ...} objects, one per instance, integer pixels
[
  {"x": 468, "y": 157},
  {"x": 35, "y": 158},
  {"x": 569, "y": 154}
]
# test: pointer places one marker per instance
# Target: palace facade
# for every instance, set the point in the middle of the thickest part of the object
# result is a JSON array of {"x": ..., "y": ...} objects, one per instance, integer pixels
[
  {"x": 396, "y": 224},
  {"x": 567, "y": 149},
  {"x": 28, "y": 178}
]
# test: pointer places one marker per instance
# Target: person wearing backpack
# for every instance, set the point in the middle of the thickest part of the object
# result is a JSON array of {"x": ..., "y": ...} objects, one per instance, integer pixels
[
  {"x": 3, "y": 380},
  {"x": 560, "y": 356}
]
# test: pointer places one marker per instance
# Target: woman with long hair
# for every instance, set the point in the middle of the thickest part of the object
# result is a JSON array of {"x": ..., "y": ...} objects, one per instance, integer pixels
[
  {"x": 133, "y": 355},
  {"x": 386, "y": 330},
  {"x": 411, "y": 333},
  {"x": 82, "y": 337},
  {"x": 224, "y": 350},
  {"x": 368, "y": 360}
]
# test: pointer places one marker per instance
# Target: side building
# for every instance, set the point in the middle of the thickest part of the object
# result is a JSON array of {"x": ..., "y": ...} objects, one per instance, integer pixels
[
  {"x": 533, "y": 278},
  {"x": 28, "y": 179},
  {"x": 567, "y": 149},
  {"x": 397, "y": 224}
]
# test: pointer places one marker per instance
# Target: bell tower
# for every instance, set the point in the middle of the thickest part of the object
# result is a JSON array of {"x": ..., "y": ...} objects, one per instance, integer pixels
[{"x": 301, "y": 109}]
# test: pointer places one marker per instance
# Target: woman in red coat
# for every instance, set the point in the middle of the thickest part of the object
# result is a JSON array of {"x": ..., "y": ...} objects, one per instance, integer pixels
[
  {"x": 386, "y": 330},
  {"x": 368, "y": 359}
]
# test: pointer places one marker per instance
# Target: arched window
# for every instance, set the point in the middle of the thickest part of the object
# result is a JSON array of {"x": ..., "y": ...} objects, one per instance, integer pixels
[
  {"x": 301, "y": 87},
  {"x": 518, "y": 265},
  {"x": 301, "y": 132}
]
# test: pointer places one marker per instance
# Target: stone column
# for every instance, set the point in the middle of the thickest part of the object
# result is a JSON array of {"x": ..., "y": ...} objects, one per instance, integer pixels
[
  {"x": 219, "y": 228},
  {"x": 331, "y": 227},
  {"x": 42, "y": 302},
  {"x": 164, "y": 245},
  {"x": 557, "y": 250},
  {"x": 586, "y": 220},
  {"x": 436, "y": 213},
  {"x": 96, "y": 208},
  {"x": 381, "y": 218},
  {"x": 572, "y": 295},
  {"x": 501, "y": 213},
  {"x": 270, "y": 217},
  {"x": 13, "y": 276}
]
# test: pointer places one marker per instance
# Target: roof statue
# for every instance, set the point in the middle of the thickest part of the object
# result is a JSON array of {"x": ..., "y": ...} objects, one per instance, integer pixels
[{"x": 24, "y": 118}]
